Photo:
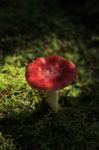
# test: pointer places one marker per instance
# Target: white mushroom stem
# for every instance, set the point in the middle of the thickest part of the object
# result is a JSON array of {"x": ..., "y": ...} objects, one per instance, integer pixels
[{"x": 52, "y": 99}]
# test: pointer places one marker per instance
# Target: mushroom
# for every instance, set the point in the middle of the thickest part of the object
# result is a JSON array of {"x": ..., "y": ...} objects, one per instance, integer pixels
[{"x": 51, "y": 73}]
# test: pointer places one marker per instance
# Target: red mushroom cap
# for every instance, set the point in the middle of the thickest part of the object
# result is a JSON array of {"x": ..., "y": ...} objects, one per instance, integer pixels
[{"x": 50, "y": 73}]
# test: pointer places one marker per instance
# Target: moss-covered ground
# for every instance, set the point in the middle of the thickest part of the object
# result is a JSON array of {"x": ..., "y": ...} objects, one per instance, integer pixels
[{"x": 31, "y": 29}]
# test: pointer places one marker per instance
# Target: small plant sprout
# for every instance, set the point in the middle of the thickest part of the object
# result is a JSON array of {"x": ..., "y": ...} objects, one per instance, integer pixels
[{"x": 51, "y": 73}]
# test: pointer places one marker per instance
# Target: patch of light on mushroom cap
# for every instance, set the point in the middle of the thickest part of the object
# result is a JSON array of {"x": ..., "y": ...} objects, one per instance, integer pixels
[
  {"x": 49, "y": 72},
  {"x": 43, "y": 60},
  {"x": 71, "y": 66}
]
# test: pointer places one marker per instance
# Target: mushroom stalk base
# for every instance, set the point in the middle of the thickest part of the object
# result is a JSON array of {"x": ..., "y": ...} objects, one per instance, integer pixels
[{"x": 52, "y": 99}]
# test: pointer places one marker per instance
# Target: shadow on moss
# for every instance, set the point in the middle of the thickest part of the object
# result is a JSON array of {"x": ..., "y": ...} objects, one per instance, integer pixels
[{"x": 74, "y": 126}]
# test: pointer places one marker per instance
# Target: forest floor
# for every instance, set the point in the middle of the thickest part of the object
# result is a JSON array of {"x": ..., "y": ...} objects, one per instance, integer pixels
[{"x": 33, "y": 29}]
